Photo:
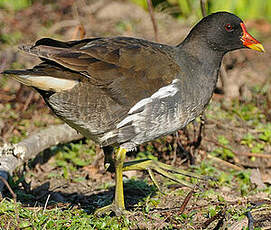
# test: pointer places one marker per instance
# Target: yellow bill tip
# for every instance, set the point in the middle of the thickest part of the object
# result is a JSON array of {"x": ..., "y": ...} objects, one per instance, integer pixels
[{"x": 256, "y": 46}]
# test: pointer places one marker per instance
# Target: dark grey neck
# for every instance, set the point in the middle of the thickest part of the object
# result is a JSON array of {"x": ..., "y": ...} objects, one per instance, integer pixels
[
  {"x": 201, "y": 67},
  {"x": 201, "y": 50}
]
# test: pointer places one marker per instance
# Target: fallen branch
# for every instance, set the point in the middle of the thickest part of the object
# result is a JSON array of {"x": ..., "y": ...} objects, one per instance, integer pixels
[{"x": 14, "y": 155}]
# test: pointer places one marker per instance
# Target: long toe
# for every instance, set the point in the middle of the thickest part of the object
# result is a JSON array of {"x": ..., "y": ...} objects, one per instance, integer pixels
[
  {"x": 112, "y": 208},
  {"x": 165, "y": 170}
]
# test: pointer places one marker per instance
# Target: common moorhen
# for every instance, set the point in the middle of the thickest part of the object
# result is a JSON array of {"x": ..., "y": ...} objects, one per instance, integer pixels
[{"x": 123, "y": 91}]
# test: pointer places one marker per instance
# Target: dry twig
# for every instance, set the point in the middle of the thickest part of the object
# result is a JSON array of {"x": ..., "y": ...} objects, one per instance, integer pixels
[
  {"x": 154, "y": 24},
  {"x": 220, "y": 215},
  {"x": 79, "y": 28},
  {"x": 203, "y": 7},
  {"x": 185, "y": 202}
]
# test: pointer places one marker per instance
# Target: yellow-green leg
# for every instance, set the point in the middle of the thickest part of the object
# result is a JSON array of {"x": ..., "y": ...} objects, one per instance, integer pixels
[
  {"x": 119, "y": 196},
  {"x": 117, "y": 206},
  {"x": 149, "y": 165},
  {"x": 165, "y": 170}
]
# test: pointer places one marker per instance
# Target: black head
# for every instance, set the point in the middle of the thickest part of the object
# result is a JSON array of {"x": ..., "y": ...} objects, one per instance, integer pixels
[{"x": 223, "y": 32}]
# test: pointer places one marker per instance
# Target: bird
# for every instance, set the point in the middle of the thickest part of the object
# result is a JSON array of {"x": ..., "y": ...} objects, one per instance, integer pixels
[{"x": 123, "y": 91}]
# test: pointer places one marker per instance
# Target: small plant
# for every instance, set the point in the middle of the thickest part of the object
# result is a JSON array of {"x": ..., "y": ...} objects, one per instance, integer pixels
[
  {"x": 73, "y": 156},
  {"x": 224, "y": 153},
  {"x": 266, "y": 133},
  {"x": 15, "y": 5}
]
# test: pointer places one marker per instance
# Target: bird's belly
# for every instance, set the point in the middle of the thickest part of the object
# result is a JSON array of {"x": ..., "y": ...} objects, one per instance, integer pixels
[{"x": 87, "y": 109}]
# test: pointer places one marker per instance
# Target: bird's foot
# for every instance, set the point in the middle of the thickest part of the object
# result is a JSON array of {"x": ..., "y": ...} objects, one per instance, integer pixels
[
  {"x": 165, "y": 170},
  {"x": 112, "y": 208}
]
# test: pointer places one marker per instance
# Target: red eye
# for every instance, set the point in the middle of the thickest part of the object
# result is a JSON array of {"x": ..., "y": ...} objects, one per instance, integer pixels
[{"x": 229, "y": 28}]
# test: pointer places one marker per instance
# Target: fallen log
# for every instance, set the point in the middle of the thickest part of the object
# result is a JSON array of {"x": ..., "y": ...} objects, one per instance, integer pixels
[{"x": 14, "y": 155}]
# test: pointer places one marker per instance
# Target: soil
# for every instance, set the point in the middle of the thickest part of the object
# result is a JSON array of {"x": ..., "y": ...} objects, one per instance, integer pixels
[{"x": 26, "y": 112}]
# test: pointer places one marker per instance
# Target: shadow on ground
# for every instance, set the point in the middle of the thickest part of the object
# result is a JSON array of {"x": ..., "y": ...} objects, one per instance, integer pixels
[{"x": 135, "y": 191}]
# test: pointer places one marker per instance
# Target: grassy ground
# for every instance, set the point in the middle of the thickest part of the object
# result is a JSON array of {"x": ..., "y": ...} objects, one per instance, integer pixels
[{"x": 64, "y": 185}]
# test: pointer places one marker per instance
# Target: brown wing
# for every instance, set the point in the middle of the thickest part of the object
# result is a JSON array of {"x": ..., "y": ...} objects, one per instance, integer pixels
[
  {"x": 127, "y": 69},
  {"x": 93, "y": 83}
]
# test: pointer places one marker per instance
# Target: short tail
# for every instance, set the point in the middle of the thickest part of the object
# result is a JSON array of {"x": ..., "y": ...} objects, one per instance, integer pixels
[
  {"x": 40, "y": 80},
  {"x": 41, "y": 51},
  {"x": 19, "y": 76}
]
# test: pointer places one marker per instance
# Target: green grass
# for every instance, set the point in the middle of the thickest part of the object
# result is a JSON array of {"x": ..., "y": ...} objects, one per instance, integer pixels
[
  {"x": 55, "y": 218},
  {"x": 70, "y": 216},
  {"x": 15, "y": 5},
  {"x": 246, "y": 9}
]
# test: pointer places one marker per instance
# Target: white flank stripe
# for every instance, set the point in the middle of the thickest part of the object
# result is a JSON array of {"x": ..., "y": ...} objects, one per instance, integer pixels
[{"x": 134, "y": 113}]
